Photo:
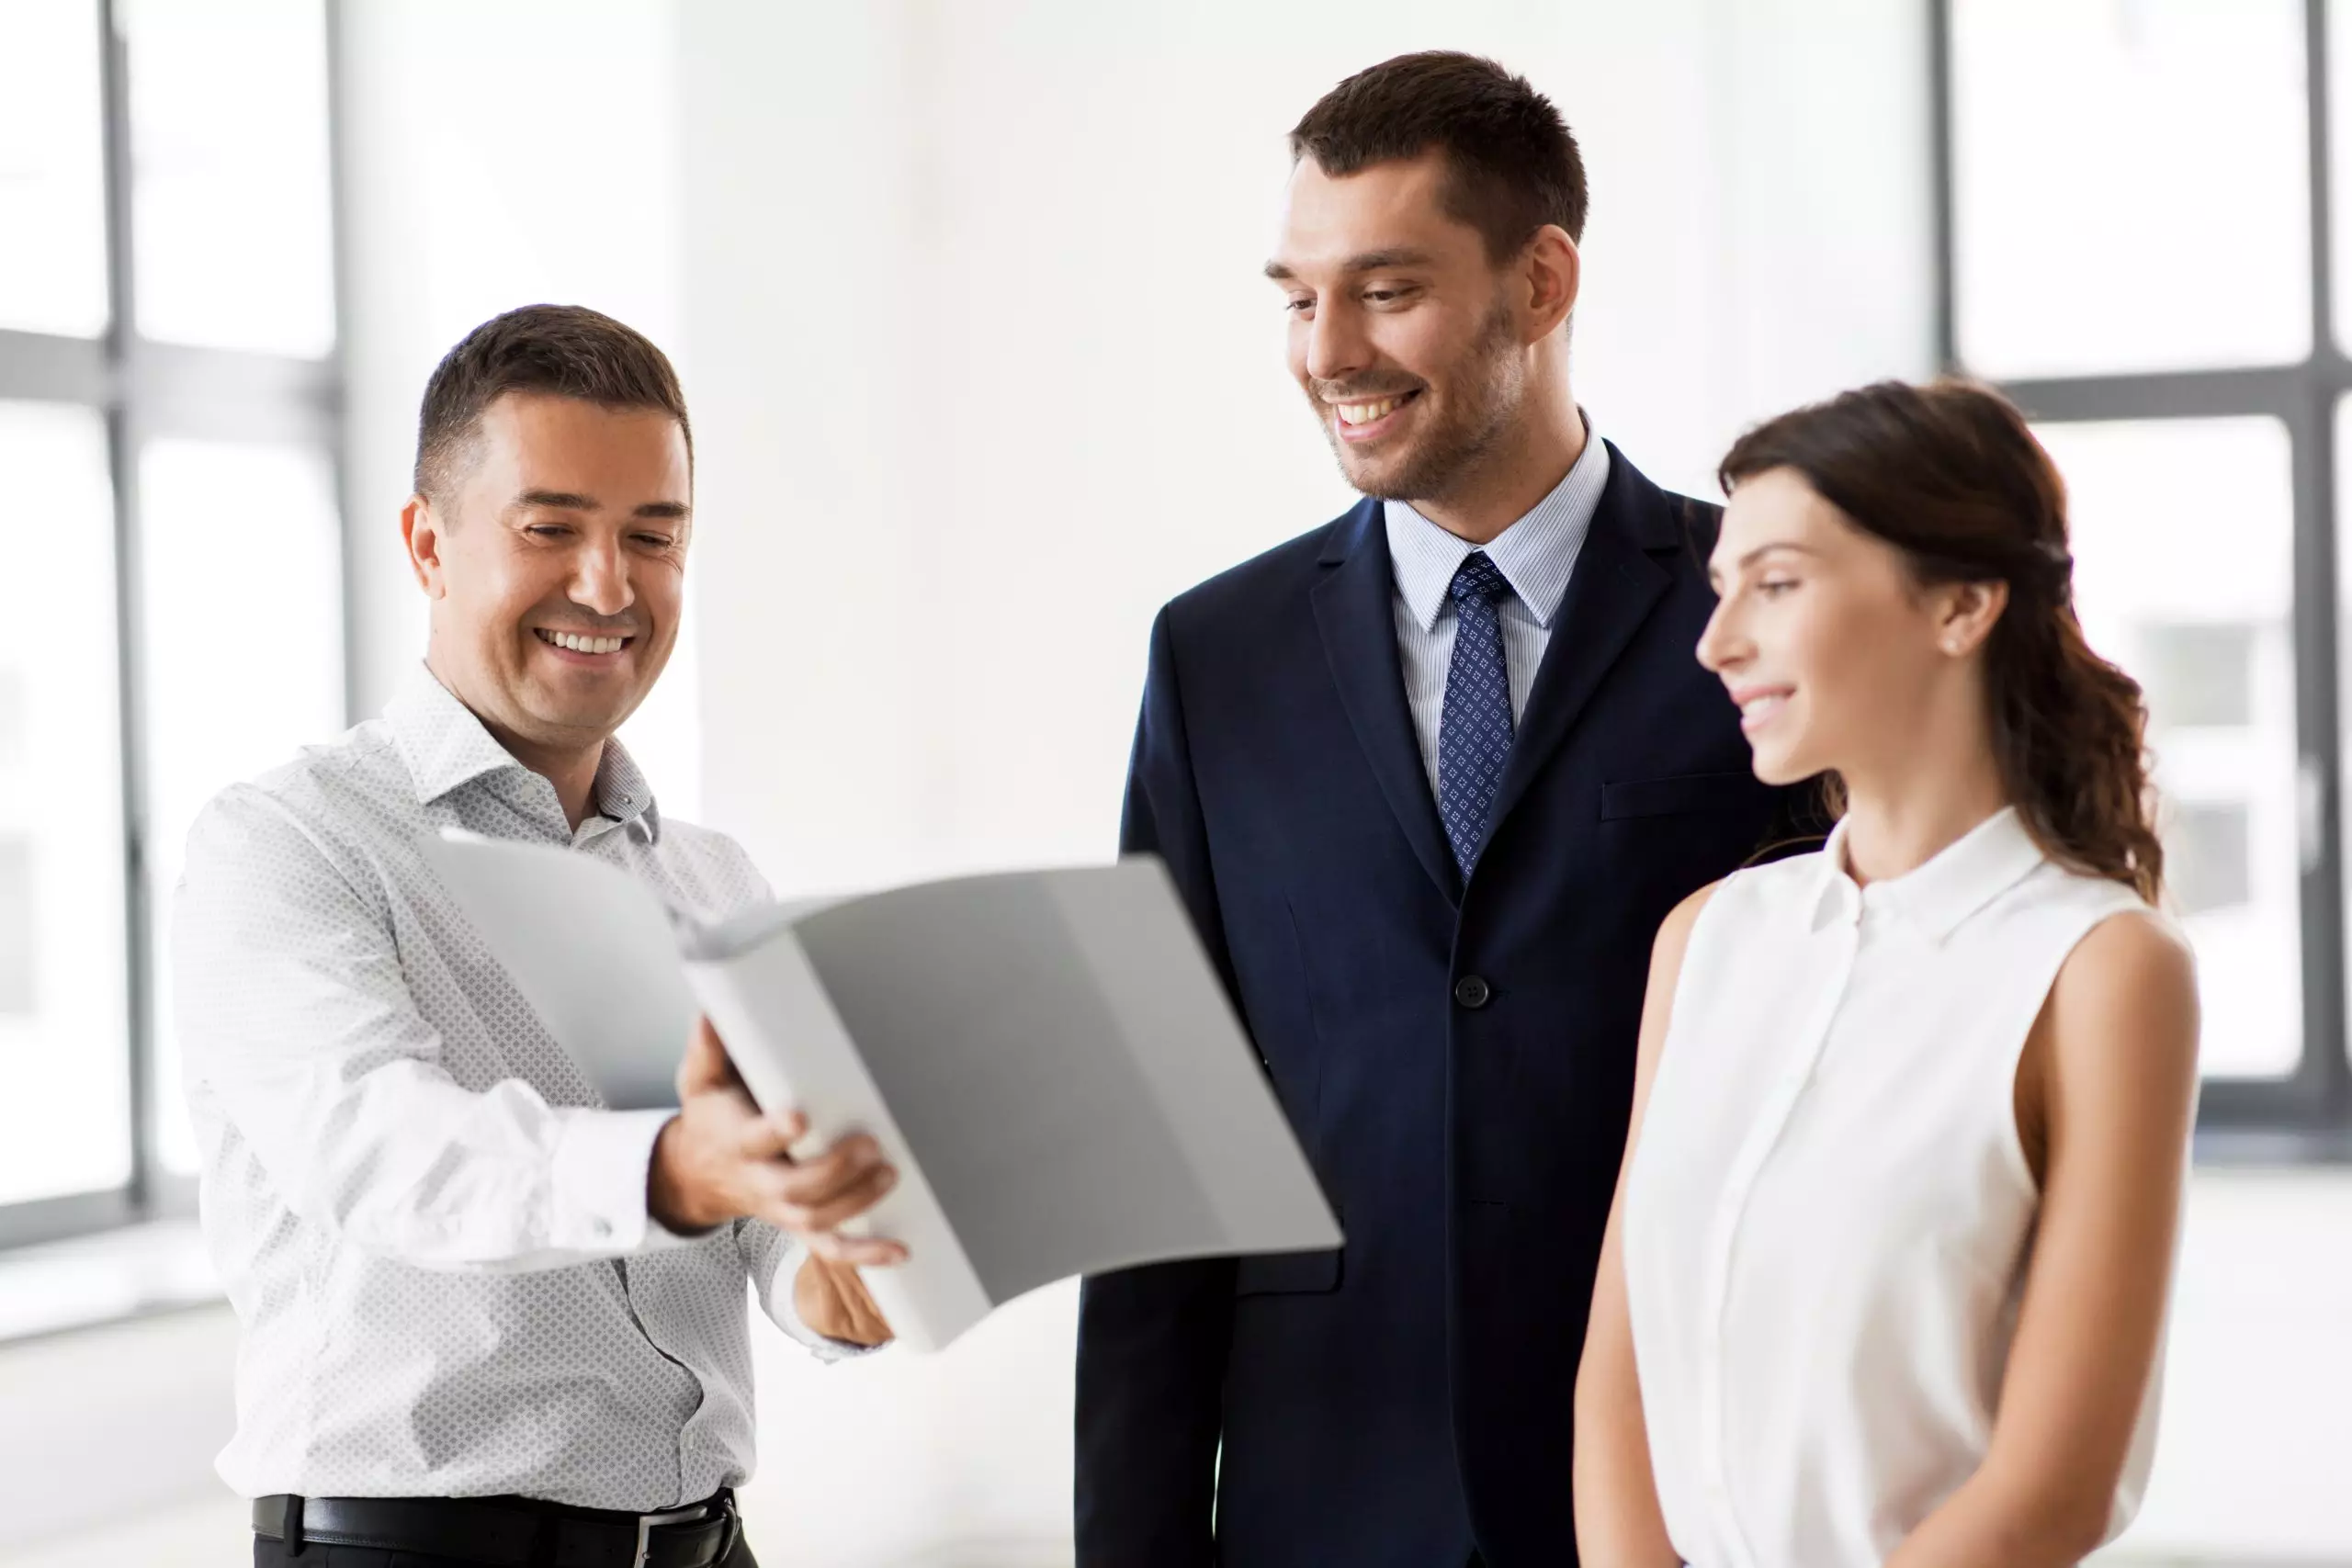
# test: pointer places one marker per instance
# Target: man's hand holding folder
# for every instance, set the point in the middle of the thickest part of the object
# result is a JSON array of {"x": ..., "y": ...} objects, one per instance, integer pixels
[
  {"x": 721, "y": 1158},
  {"x": 1047, "y": 1062}
]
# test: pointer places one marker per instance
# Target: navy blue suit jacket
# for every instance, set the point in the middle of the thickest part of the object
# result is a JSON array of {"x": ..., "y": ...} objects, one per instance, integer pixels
[{"x": 1458, "y": 1061}]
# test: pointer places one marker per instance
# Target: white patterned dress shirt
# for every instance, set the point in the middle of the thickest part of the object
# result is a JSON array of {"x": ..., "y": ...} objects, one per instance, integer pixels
[
  {"x": 435, "y": 1241},
  {"x": 1535, "y": 556}
]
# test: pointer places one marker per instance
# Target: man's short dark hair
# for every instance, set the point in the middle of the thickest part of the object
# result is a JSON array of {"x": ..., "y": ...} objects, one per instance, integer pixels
[
  {"x": 565, "y": 351},
  {"x": 1513, "y": 165}
]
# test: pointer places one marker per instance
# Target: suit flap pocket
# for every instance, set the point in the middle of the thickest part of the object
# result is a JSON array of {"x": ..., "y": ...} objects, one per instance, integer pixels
[
  {"x": 1687, "y": 792},
  {"x": 1287, "y": 1273}
]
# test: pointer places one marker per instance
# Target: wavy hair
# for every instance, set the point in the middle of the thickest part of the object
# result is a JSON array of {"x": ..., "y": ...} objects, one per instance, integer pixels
[{"x": 1950, "y": 475}]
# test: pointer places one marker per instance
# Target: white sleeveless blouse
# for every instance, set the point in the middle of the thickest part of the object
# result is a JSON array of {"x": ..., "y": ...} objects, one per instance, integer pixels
[{"x": 1829, "y": 1214}]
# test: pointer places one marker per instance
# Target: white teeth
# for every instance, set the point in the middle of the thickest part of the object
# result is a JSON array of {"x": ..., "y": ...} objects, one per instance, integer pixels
[
  {"x": 1364, "y": 413},
  {"x": 580, "y": 644},
  {"x": 1756, "y": 708}
]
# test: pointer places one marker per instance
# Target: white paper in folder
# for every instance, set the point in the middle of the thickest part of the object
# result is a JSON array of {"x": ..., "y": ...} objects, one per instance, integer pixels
[{"x": 1046, "y": 1058}]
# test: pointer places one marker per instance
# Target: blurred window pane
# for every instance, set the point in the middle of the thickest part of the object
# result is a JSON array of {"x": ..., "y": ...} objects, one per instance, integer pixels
[
  {"x": 231, "y": 211},
  {"x": 2207, "y": 851},
  {"x": 2339, "y": 156},
  {"x": 2130, "y": 184},
  {"x": 53, "y": 169},
  {"x": 19, "y": 997},
  {"x": 228, "y": 696},
  {"x": 2203, "y": 675},
  {"x": 2344, "y": 630},
  {"x": 64, "y": 1056},
  {"x": 2208, "y": 632}
]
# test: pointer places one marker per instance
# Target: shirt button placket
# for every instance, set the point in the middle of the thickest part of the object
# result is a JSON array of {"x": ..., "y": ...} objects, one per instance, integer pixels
[{"x": 1772, "y": 1118}]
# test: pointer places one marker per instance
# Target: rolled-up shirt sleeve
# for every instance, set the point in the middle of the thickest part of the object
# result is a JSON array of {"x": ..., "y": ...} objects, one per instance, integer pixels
[{"x": 299, "y": 1032}]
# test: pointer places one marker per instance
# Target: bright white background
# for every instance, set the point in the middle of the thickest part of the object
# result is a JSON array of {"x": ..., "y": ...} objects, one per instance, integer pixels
[{"x": 967, "y": 301}]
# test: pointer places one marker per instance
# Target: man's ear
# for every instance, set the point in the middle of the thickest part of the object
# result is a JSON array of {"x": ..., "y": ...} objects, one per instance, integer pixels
[
  {"x": 421, "y": 531},
  {"x": 1554, "y": 271}
]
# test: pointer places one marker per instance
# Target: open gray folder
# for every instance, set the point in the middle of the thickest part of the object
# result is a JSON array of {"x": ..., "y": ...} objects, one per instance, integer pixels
[{"x": 1047, "y": 1056}]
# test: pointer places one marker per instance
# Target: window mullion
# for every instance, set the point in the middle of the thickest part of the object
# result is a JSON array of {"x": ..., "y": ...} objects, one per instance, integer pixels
[
  {"x": 123, "y": 435},
  {"x": 2319, "y": 608},
  {"x": 2322, "y": 1074}
]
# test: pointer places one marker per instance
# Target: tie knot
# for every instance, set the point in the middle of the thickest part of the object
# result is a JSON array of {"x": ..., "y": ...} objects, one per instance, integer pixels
[{"x": 1477, "y": 578}]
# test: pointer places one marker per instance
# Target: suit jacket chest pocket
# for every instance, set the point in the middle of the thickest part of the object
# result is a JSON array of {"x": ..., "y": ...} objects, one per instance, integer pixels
[{"x": 1680, "y": 794}]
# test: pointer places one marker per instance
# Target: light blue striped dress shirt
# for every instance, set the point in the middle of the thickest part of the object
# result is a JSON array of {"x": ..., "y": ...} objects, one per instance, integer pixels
[{"x": 1535, "y": 556}]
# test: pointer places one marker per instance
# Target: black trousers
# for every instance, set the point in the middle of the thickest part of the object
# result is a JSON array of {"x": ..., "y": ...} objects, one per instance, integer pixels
[{"x": 317, "y": 1554}]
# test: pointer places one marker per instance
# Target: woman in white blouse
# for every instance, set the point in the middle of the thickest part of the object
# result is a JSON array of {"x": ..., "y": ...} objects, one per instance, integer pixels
[{"x": 1885, "y": 1279}]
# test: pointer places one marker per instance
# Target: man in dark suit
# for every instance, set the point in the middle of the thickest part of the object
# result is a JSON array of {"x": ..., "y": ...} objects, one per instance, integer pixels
[{"x": 1429, "y": 778}]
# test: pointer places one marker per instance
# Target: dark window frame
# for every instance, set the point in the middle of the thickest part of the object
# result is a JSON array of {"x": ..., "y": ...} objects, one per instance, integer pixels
[
  {"x": 2307, "y": 1116},
  {"x": 145, "y": 389}
]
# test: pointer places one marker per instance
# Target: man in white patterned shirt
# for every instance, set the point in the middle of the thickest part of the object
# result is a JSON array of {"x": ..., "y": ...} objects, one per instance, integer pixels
[{"x": 484, "y": 1319}]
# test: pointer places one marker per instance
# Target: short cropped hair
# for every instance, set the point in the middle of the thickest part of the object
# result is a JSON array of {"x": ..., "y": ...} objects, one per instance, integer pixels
[
  {"x": 565, "y": 351},
  {"x": 1513, "y": 165}
]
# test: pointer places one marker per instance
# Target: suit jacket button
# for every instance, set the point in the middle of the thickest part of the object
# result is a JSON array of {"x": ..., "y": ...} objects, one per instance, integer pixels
[{"x": 1472, "y": 992}]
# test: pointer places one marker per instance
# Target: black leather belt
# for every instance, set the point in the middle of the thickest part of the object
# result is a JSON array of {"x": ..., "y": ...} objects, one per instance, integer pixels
[{"x": 508, "y": 1532}]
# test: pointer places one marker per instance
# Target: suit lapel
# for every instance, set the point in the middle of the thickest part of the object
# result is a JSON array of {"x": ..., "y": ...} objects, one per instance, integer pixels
[
  {"x": 1610, "y": 593},
  {"x": 1354, "y": 610}
]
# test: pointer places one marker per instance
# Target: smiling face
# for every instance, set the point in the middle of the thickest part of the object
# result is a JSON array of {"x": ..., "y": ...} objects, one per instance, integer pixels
[
  {"x": 1833, "y": 653},
  {"x": 1405, "y": 336},
  {"x": 556, "y": 565}
]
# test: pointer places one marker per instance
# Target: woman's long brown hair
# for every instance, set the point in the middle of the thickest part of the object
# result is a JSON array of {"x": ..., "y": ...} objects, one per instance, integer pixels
[{"x": 1950, "y": 475}]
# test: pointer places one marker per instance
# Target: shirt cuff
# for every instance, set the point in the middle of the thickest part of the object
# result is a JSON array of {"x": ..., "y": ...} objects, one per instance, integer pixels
[
  {"x": 784, "y": 1308},
  {"x": 602, "y": 1161}
]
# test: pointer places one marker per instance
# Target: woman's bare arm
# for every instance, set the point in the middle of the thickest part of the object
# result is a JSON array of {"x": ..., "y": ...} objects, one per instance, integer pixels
[
  {"x": 1619, "y": 1524},
  {"x": 2112, "y": 1070}
]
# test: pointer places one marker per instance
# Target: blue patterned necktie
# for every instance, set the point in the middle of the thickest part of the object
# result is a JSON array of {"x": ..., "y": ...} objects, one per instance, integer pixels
[{"x": 1474, "y": 730}]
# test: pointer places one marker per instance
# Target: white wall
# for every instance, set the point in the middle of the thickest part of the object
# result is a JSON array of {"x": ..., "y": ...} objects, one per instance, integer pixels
[
  {"x": 940, "y": 260},
  {"x": 938, "y": 517},
  {"x": 494, "y": 155}
]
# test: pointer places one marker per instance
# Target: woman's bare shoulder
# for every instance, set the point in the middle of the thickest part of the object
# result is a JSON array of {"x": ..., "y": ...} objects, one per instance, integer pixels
[
  {"x": 1674, "y": 931},
  {"x": 2130, "y": 950},
  {"x": 2130, "y": 985}
]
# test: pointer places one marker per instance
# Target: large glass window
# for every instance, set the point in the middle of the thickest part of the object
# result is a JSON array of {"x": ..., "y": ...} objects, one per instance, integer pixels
[
  {"x": 65, "y": 1059},
  {"x": 53, "y": 169},
  {"x": 228, "y": 523},
  {"x": 236, "y": 246},
  {"x": 2209, "y": 635},
  {"x": 2130, "y": 185},
  {"x": 167, "y": 425},
  {"x": 2137, "y": 251}
]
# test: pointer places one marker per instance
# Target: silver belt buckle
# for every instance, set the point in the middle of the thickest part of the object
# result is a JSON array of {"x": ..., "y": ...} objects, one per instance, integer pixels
[{"x": 647, "y": 1523}]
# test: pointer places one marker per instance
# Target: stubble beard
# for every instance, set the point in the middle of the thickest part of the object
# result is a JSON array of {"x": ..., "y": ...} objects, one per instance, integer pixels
[{"x": 1488, "y": 390}]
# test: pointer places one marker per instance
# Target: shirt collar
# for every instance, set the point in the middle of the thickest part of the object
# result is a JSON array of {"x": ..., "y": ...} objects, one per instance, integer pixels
[
  {"x": 1535, "y": 554},
  {"x": 1939, "y": 897},
  {"x": 443, "y": 743},
  {"x": 446, "y": 748},
  {"x": 622, "y": 793}
]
